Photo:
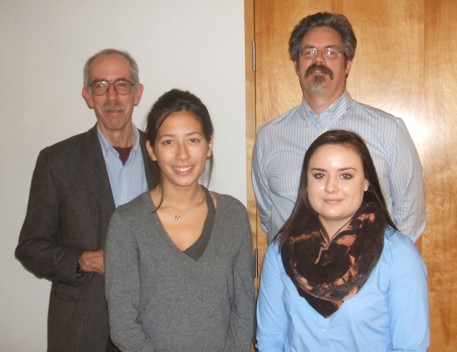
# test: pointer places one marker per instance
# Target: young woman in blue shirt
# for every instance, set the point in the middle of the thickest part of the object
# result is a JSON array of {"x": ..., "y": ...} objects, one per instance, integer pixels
[{"x": 339, "y": 276}]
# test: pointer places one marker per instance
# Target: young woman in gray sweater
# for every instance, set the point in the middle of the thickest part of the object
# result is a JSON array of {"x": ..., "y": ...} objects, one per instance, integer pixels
[{"x": 179, "y": 258}]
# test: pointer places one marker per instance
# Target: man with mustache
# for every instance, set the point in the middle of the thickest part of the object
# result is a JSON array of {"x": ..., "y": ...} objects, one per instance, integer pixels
[
  {"x": 322, "y": 47},
  {"x": 76, "y": 185}
]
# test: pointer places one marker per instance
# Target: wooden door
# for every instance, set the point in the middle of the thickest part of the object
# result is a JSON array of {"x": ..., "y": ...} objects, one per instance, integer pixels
[{"x": 406, "y": 64}]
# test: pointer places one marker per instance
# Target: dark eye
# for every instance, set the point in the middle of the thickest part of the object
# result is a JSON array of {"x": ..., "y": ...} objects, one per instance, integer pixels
[
  {"x": 99, "y": 84},
  {"x": 346, "y": 176},
  {"x": 122, "y": 84},
  {"x": 308, "y": 53},
  {"x": 318, "y": 175},
  {"x": 331, "y": 53}
]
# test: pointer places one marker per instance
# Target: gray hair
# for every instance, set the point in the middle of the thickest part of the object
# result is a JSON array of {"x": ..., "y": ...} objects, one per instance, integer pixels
[
  {"x": 133, "y": 65},
  {"x": 336, "y": 22}
]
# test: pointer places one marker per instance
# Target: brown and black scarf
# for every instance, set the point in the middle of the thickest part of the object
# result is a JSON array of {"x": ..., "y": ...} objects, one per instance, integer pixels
[{"x": 327, "y": 274}]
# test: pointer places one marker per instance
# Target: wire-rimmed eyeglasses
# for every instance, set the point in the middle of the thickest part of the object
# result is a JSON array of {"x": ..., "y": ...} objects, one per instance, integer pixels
[{"x": 329, "y": 53}]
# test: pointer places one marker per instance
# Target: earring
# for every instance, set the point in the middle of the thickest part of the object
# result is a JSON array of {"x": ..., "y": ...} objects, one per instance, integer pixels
[{"x": 366, "y": 188}]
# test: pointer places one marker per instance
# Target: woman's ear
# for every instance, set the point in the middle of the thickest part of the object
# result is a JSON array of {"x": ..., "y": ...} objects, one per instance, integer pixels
[
  {"x": 210, "y": 147},
  {"x": 367, "y": 185},
  {"x": 150, "y": 151}
]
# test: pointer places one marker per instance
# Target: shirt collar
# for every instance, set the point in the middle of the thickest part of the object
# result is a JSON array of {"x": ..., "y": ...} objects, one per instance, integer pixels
[
  {"x": 334, "y": 111},
  {"x": 107, "y": 147}
]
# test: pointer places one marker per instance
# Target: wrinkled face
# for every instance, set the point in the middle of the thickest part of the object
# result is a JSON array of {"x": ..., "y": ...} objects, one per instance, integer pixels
[
  {"x": 320, "y": 76},
  {"x": 113, "y": 110},
  {"x": 336, "y": 184},
  {"x": 180, "y": 149}
]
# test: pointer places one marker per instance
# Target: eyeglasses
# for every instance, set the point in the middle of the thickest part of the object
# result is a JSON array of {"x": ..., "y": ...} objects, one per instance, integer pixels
[
  {"x": 122, "y": 86},
  {"x": 329, "y": 53}
]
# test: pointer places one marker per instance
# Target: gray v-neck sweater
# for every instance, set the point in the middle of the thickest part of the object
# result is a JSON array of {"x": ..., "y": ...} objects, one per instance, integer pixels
[{"x": 160, "y": 299}]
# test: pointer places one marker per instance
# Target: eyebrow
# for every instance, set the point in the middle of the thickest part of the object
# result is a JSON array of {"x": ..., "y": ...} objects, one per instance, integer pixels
[
  {"x": 341, "y": 169},
  {"x": 117, "y": 79},
  {"x": 325, "y": 46},
  {"x": 186, "y": 135}
]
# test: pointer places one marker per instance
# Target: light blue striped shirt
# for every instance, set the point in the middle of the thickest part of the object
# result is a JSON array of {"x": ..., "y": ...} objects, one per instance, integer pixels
[
  {"x": 280, "y": 148},
  {"x": 389, "y": 313},
  {"x": 129, "y": 180}
]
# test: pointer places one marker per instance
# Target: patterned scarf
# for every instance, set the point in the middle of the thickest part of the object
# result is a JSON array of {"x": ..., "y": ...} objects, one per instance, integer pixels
[{"x": 327, "y": 274}]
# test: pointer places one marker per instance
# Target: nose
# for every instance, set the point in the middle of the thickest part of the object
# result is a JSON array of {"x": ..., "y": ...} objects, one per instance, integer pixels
[
  {"x": 111, "y": 93},
  {"x": 331, "y": 185},
  {"x": 319, "y": 57},
  {"x": 182, "y": 152}
]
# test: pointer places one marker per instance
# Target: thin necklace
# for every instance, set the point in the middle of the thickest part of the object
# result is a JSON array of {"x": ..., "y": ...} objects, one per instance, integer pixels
[
  {"x": 196, "y": 202},
  {"x": 324, "y": 232}
]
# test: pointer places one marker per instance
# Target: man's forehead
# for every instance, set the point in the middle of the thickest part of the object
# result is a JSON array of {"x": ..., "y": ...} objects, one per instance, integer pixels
[
  {"x": 110, "y": 63},
  {"x": 322, "y": 32}
]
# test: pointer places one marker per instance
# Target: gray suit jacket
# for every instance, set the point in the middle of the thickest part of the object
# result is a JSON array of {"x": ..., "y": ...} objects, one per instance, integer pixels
[{"x": 70, "y": 205}]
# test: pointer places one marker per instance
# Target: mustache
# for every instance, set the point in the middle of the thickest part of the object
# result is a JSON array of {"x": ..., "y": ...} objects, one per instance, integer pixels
[
  {"x": 110, "y": 106},
  {"x": 321, "y": 68}
]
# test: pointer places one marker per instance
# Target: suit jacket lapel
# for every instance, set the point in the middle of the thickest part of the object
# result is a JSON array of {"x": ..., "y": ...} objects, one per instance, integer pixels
[{"x": 94, "y": 170}]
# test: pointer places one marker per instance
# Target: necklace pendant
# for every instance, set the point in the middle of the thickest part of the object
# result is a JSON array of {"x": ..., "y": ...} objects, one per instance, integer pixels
[{"x": 177, "y": 217}]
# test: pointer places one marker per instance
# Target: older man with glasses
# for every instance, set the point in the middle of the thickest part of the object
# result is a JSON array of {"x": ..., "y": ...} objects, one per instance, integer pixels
[{"x": 76, "y": 186}]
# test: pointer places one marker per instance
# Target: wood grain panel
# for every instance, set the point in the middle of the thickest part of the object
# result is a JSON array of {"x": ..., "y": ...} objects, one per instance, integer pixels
[
  {"x": 405, "y": 64},
  {"x": 439, "y": 246},
  {"x": 250, "y": 118}
]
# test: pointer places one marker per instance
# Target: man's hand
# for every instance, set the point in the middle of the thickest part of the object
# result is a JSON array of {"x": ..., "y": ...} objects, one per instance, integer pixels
[{"x": 92, "y": 262}]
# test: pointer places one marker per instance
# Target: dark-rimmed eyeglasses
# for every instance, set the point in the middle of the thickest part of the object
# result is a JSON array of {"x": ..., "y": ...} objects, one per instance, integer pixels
[
  {"x": 122, "y": 86},
  {"x": 329, "y": 53}
]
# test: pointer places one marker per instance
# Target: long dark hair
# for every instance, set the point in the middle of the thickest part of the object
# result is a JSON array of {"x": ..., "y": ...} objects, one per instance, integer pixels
[
  {"x": 170, "y": 102},
  {"x": 303, "y": 216}
]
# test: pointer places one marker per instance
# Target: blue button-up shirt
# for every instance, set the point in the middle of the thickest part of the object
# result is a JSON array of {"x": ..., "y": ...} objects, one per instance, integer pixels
[
  {"x": 129, "y": 180},
  {"x": 281, "y": 145},
  {"x": 389, "y": 313}
]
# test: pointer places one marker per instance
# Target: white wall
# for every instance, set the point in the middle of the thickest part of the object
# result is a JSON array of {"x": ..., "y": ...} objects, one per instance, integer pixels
[{"x": 196, "y": 45}]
